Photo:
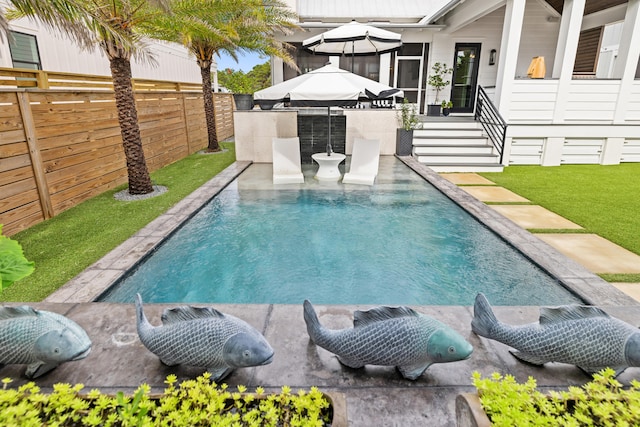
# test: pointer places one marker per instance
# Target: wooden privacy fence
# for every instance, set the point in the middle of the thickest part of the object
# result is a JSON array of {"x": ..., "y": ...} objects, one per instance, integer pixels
[{"x": 59, "y": 148}]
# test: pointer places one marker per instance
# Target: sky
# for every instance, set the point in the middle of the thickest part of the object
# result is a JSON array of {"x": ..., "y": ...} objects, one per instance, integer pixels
[{"x": 246, "y": 61}]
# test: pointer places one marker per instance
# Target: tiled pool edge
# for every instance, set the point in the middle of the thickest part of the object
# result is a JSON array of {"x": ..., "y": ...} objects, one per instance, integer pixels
[
  {"x": 98, "y": 277},
  {"x": 588, "y": 286}
]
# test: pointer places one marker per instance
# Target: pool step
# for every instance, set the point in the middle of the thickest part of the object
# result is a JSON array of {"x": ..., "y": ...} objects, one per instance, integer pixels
[{"x": 460, "y": 146}]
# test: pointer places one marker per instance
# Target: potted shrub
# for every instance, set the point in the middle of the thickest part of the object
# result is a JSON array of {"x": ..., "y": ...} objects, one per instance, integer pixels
[
  {"x": 241, "y": 85},
  {"x": 501, "y": 401},
  {"x": 408, "y": 121},
  {"x": 446, "y": 107},
  {"x": 197, "y": 402},
  {"x": 437, "y": 79}
]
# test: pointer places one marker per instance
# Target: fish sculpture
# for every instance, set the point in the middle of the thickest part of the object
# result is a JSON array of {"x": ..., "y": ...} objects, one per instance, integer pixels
[
  {"x": 41, "y": 339},
  {"x": 390, "y": 336},
  {"x": 203, "y": 337},
  {"x": 580, "y": 335}
]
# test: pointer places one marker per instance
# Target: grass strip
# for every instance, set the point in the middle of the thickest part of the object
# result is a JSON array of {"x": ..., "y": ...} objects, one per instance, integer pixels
[
  {"x": 601, "y": 198},
  {"x": 65, "y": 245}
]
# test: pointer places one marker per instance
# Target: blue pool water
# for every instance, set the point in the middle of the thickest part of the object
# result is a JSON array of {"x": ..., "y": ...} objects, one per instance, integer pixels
[{"x": 401, "y": 243}]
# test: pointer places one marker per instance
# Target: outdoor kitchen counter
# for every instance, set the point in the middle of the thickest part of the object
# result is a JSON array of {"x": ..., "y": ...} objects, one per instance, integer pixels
[{"x": 255, "y": 129}]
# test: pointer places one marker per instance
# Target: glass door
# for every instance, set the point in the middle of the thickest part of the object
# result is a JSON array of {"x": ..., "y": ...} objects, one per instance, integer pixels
[
  {"x": 408, "y": 75},
  {"x": 465, "y": 77}
]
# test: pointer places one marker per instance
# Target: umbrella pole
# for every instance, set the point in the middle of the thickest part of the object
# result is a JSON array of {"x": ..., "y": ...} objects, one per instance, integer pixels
[{"x": 329, "y": 149}]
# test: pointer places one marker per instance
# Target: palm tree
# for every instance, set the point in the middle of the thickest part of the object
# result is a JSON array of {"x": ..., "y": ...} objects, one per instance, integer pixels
[
  {"x": 114, "y": 26},
  {"x": 208, "y": 27}
]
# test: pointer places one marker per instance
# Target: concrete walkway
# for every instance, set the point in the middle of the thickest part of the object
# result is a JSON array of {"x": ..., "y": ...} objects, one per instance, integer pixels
[{"x": 595, "y": 253}]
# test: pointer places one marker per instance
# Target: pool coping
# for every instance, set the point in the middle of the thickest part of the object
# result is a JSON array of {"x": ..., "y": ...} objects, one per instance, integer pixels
[{"x": 100, "y": 276}]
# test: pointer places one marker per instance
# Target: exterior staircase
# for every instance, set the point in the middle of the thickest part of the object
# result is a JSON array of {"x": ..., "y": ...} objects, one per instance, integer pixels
[{"x": 454, "y": 144}]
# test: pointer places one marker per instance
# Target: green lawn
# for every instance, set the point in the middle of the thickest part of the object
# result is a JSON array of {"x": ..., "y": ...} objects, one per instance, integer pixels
[
  {"x": 605, "y": 200},
  {"x": 65, "y": 245}
]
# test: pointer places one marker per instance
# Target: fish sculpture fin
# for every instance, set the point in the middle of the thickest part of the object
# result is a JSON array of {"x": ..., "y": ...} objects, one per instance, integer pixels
[
  {"x": 484, "y": 320},
  {"x": 590, "y": 370},
  {"x": 218, "y": 374},
  {"x": 13, "y": 312},
  {"x": 181, "y": 314},
  {"x": 569, "y": 312},
  {"x": 529, "y": 358},
  {"x": 412, "y": 372},
  {"x": 353, "y": 364},
  {"x": 37, "y": 369},
  {"x": 378, "y": 314}
]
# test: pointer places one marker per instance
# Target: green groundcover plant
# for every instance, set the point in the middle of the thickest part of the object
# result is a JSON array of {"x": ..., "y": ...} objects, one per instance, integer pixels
[
  {"x": 197, "y": 402},
  {"x": 600, "y": 402},
  {"x": 13, "y": 264}
]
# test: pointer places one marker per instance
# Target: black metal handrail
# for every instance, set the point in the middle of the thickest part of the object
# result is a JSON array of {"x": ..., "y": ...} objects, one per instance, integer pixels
[{"x": 492, "y": 122}]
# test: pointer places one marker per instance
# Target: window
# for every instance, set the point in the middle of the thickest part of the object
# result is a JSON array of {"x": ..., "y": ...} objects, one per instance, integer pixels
[
  {"x": 306, "y": 62},
  {"x": 24, "y": 51}
]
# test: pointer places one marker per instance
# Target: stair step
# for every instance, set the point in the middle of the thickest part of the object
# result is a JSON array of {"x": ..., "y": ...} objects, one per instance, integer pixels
[
  {"x": 441, "y": 158},
  {"x": 452, "y": 132},
  {"x": 470, "y": 149},
  {"x": 445, "y": 124},
  {"x": 465, "y": 167},
  {"x": 450, "y": 140}
]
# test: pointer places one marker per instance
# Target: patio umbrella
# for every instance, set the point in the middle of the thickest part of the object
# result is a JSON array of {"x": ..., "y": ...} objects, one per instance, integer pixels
[
  {"x": 328, "y": 86},
  {"x": 353, "y": 39}
]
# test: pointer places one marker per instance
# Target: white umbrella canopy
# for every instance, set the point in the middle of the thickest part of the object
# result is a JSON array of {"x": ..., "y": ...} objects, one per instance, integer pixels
[
  {"x": 353, "y": 39},
  {"x": 325, "y": 87}
]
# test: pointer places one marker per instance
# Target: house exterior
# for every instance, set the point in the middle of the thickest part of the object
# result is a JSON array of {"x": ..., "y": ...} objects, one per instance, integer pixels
[
  {"x": 581, "y": 104},
  {"x": 35, "y": 47}
]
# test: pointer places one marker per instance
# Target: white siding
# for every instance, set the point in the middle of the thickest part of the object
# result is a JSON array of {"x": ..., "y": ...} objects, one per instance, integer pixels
[
  {"x": 630, "y": 150},
  {"x": 592, "y": 100},
  {"x": 58, "y": 53},
  {"x": 526, "y": 151},
  {"x": 533, "y": 101},
  {"x": 633, "y": 108},
  {"x": 582, "y": 151}
]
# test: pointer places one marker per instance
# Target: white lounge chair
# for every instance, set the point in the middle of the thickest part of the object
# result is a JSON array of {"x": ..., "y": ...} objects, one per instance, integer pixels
[
  {"x": 365, "y": 158},
  {"x": 286, "y": 161}
]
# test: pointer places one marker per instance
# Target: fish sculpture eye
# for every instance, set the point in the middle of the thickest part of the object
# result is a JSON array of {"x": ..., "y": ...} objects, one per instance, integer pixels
[
  {"x": 247, "y": 354},
  {"x": 451, "y": 350}
]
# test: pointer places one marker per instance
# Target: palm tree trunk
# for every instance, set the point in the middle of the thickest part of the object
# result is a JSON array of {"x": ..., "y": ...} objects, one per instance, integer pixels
[
  {"x": 209, "y": 109},
  {"x": 139, "y": 179}
]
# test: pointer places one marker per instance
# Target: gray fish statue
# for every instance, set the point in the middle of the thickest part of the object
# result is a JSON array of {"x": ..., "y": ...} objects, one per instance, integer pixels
[
  {"x": 580, "y": 335},
  {"x": 390, "y": 336},
  {"x": 203, "y": 337},
  {"x": 41, "y": 339}
]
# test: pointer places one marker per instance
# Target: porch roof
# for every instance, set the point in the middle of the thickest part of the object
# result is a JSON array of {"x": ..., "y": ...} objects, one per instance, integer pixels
[{"x": 373, "y": 10}]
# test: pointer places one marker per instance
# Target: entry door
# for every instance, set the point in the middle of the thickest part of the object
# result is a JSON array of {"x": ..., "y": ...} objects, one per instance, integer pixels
[
  {"x": 465, "y": 77},
  {"x": 409, "y": 72}
]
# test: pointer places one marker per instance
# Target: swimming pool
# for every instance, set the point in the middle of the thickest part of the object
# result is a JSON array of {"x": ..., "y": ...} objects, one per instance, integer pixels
[{"x": 399, "y": 242}]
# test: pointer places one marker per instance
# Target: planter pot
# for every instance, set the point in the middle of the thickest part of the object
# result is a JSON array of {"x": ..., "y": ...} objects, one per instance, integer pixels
[
  {"x": 433, "y": 109},
  {"x": 446, "y": 111},
  {"x": 469, "y": 411},
  {"x": 243, "y": 101},
  {"x": 404, "y": 142}
]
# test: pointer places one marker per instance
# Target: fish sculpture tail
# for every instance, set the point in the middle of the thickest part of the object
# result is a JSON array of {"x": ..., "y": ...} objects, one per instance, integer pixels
[
  {"x": 312, "y": 321},
  {"x": 142, "y": 322},
  {"x": 483, "y": 318}
]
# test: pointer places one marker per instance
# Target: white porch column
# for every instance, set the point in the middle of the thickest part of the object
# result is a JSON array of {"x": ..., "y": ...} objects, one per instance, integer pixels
[
  {"x": 277, "y": 70},
  {"x": 566, "y": 49},
  {"x": 508, "y": 60},
  {"x": 628, "y": 54},
  {"x": 385, "y": 64}
]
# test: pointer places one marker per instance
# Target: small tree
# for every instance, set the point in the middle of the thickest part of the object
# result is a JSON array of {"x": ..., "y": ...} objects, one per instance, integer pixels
[{"x": 439, "y": 72}]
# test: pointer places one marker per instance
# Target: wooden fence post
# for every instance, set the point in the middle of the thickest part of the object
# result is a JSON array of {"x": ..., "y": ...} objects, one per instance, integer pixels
[
  {"x": 34, "y": 153},
  {"x": 186, "y": 121}
]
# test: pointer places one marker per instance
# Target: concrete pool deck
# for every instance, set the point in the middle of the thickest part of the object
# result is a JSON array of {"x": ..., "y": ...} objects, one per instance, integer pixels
[{"x": 376, "y": 396}]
